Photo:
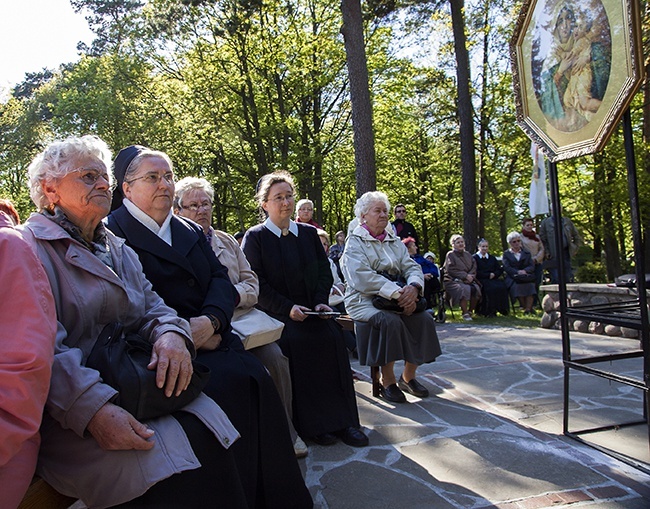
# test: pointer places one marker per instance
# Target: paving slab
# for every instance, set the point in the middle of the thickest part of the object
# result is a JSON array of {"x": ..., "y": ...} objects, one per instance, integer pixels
[{"x": 490, "y": 434}]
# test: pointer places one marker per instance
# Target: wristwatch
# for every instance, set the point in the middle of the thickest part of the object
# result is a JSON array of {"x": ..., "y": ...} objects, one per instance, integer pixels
[
  {"x": 416, "y": 285},
  {"x": 215, "y": 322}
]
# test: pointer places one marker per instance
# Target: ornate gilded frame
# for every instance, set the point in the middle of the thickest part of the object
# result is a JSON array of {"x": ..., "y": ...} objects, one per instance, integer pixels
[{"x": 576, "y": 66}]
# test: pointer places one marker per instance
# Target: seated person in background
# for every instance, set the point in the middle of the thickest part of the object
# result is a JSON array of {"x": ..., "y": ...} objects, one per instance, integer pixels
[
  {"x": 493, "y": 288},
  {"x": 185, "y": 272},
  {"x": 194, "y": 198},
  {"x": 461, "y": 286},
  {"x": 336, "y": 251},
  {"x": 91, "y": 448},
  {"x": 520, "y": 272},
  {"x": 373, "y": 248},
  {"x": 295, "y": 278},
  {"x": 27, "y": 336},
  {"x": 429, "y": 269},
  {"x": 305, "y": 212},
  {"x": 10, "y": 212},
  {"x": 337, "y": 293},
  {"x": 239, "y": 236}
]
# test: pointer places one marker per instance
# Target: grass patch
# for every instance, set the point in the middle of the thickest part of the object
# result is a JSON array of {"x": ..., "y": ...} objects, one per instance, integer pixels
[{"x": 518, "y": 319}]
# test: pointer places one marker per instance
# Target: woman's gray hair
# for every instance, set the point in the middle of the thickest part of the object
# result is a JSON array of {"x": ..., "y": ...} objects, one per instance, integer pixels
[
  {"x": 512, "y": 236},
  {"x": 367, "y": 199},
  {"x": 134, "y": 166},
  {"x": 302, "y": 202},
  {"x": 187, "y": 184},
  {"x": 455, "y": 237},
  {"x": 60, "y": 158},
  {"x": 324, "y": 234}
]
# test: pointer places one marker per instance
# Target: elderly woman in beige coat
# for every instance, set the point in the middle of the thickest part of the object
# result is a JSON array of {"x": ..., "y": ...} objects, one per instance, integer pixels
[
  {"x": 91, "y": 448},
  {"x": 194, "y": 198},
  {"x": 376, "y": 263}
]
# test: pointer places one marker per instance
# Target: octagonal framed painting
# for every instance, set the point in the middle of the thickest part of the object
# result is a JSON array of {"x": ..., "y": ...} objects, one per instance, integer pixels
[{"x": 576, "y": 66}]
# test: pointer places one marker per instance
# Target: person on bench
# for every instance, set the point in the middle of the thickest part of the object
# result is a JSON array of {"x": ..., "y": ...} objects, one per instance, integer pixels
[
  {"x": 376, "y": 263},
  {"x": 184, "y": 270},
  {"x": 92, "y": 448},
  {"x": 27, "y": 334},
  {"x": 295, "y": 279},
  {"x": 194, "y": 198}
]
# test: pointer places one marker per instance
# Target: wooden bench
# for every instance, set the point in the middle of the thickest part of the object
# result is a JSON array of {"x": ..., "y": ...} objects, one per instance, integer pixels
[
  {"x": 41, "y": 495},
  {"x": 348, "y": 324}
]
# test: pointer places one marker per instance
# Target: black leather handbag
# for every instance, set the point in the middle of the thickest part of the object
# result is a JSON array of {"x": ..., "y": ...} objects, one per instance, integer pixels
[
  {"x": 391, "y": 304},
  {"x": 524, "y": 278},
  {"x": 122, "y": 360}
]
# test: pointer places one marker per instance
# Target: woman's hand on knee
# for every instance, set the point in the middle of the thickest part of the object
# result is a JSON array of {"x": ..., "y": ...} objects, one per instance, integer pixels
[{"x": 115, "y": 429}]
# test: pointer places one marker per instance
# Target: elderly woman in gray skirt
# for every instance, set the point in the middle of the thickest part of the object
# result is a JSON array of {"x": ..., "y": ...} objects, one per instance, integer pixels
[{"x": 376, "y": 263}]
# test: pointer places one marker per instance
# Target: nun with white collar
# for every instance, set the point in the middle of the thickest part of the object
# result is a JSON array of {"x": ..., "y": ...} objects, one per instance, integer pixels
[{"x": 295, "y": 279}]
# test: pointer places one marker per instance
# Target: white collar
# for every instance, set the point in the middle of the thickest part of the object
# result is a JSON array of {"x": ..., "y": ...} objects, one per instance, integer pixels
[
  {"x": 163, "y": 231},
  {"x": 273, "y": 228}
]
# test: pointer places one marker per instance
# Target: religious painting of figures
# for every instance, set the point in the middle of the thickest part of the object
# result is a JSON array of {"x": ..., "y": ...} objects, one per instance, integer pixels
[{"x": 576, "y": 66}]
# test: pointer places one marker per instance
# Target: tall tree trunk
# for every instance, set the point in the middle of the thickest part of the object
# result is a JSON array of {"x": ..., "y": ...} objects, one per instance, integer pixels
[
  {"x": 483, "y": 123},
  {"x": 364, "y": 142},
  {"x": 610, "y": 245},
  {"x": 467, "y": 149},
  {"x": 646, "y": 160}
]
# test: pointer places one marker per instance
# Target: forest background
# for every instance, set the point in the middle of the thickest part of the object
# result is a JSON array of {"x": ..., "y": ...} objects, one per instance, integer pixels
[{"x": 234, "y": 89}]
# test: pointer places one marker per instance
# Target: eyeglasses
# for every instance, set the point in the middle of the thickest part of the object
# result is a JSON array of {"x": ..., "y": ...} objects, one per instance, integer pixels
[
  {"x": 154, "y": 178},
  {"x": 195, "y": 207},
  {"x": 281, "y": 199},
  {"x": 90, "y": 177},
  {"x": 515, "y": 241}
]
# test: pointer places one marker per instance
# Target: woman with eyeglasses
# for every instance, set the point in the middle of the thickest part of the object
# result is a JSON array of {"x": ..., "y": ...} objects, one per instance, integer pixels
[
  {"x": 520, "y": 272},
  {"x": 185, "y": 272},
  {"x": 194, "y": 197},
  {"x": 91, "y": 448},
  {"x": 295, "y": 280}
]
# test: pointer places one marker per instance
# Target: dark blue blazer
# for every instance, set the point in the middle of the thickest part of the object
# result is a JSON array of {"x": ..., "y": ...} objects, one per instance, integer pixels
[{"x": 187, "y": 275}]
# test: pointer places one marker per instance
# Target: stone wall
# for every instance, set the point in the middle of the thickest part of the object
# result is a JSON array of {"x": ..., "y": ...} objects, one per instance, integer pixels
[{"x": 580, "y": 294}]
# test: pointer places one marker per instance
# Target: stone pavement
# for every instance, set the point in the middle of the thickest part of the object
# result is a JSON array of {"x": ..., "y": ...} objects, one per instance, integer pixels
[{"x": 490, "y": 434}]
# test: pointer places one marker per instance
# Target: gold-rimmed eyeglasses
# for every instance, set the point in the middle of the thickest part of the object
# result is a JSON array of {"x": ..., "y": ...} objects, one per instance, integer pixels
[
  {"x": 90, "y": 177},
  {"x": 195, "y": 207},
  {"x": 281, "y": 199},
  {"x": 154, "y": 178}
]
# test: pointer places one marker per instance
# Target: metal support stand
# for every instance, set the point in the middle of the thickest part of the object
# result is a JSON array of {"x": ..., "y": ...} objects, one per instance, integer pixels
[{"x": 631, "y": 314}]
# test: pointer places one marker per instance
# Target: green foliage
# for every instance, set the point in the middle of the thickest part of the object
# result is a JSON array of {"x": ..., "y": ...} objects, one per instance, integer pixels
[
  {"x": 591, "y": 272},
  {"x": 233, "y": 89}
]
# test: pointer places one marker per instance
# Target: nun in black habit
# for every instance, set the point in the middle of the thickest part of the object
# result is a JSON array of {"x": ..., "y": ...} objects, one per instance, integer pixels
[
  {"x": 295, "y": 278},
  {"x": 183, "y": 269}
]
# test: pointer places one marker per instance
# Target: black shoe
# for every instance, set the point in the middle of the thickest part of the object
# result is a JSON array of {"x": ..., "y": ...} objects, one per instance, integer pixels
[
  {"x": 353, "y": 437},
  {"x": 413, "y": 387},
  {"x": 324, "y": 439},
  {"x": 392, "y": 393}
]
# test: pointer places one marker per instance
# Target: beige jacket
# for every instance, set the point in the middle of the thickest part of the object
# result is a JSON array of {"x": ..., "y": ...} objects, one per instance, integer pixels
[{"x": 227, "y": 249}]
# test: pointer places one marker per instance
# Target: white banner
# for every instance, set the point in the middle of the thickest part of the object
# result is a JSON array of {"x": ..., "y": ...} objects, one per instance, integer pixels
[{"x": 538, "y": 198}]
